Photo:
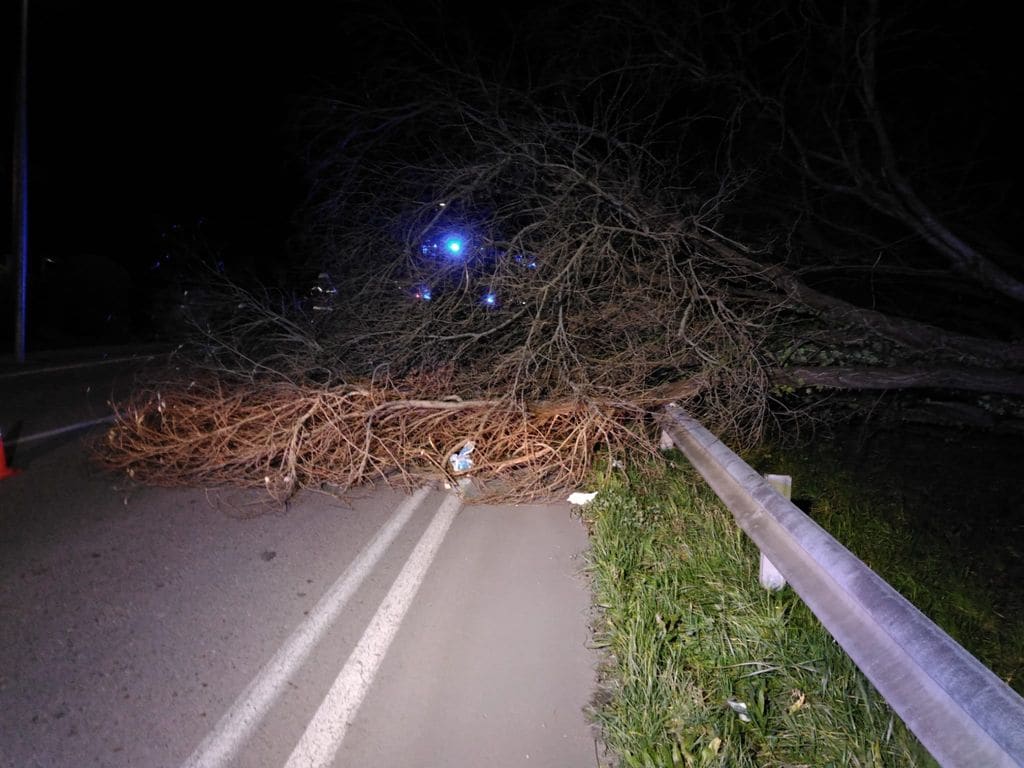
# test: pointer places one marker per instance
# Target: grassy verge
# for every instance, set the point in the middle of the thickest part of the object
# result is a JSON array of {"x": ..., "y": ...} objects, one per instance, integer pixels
[{"x": 705, "y": 668}]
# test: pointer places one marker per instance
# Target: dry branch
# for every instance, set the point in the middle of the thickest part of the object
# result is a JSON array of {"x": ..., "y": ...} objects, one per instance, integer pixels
[{"x": 285, "y": 437}]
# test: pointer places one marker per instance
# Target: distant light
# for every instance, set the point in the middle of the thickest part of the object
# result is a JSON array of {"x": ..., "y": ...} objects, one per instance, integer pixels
[
  {"x": 530, "y": 262},
  {"x": 453, "y": 244},
  {"x": 490, "y": 300},
  {"x": 423, "y": 293}
]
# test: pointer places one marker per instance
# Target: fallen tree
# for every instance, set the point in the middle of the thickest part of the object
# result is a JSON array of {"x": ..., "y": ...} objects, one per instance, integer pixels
[{"x": 536, "y": 267}]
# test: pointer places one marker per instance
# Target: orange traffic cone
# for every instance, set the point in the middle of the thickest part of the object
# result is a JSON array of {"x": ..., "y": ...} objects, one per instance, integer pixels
[{"x": 5, "y": 471}]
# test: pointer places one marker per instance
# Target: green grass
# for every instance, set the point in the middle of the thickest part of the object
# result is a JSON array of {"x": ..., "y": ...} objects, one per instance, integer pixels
[{"x": 692, "y": 642}]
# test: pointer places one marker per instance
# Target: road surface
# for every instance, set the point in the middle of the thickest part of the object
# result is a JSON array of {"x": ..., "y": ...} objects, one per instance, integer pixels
[{"x": 207, "y": 627}]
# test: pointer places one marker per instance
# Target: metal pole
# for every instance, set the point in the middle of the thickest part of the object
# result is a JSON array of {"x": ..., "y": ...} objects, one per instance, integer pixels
[{"x": 20, "y": 192}]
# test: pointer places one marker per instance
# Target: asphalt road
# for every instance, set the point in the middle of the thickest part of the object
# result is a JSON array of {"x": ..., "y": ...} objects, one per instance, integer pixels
[
  {"x": 56, "y": 391},
  {"x": 203, "y": 627}
]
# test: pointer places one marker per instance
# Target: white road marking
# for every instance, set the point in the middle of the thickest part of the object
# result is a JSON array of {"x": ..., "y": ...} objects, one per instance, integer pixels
[
  {"x": 221, "y": 745},
  {"x": 323, "y": 736},
  {"x": 85, "y": 364},
  {"x": 59, "y": 431}
]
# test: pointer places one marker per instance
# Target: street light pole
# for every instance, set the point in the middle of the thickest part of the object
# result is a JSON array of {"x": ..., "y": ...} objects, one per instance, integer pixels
[{"x": 20, "y": 191}]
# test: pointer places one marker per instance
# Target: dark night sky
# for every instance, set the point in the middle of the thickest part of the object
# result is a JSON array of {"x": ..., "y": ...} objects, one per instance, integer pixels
[
  {"x": 152, "y": 113},
  {"x": 143, "y": 116},
  {"x": 149, "y": 114}
]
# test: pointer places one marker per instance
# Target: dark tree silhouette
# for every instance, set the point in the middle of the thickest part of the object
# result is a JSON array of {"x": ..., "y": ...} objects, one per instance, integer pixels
[
  {"x": 665, "y": 160},
  {"x": 540, "y": 233}
]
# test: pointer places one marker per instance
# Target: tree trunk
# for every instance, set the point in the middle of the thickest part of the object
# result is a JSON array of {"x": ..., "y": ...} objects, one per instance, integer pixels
[
  {"x": 912, "y": 334},
  {"x": 904, "y": 377}
]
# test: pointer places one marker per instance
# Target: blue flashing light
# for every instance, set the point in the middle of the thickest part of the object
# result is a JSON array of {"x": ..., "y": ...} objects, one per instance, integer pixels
[
  {"x": 530, "y": 262},
  {"x": 490, "y": 300},
  {"x": 453, "y": 245},
  {"x": 423, "y": 293}
]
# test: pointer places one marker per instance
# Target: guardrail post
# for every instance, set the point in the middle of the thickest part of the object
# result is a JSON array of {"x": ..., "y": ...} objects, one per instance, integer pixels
[{"x": 769, "y": 575}]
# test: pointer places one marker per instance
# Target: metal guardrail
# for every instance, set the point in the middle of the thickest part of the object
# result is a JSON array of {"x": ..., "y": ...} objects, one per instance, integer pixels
[{"x": 961, "y": 712}]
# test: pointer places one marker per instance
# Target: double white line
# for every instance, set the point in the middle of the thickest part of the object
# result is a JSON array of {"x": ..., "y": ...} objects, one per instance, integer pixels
[{"x": 325, "y": 732}]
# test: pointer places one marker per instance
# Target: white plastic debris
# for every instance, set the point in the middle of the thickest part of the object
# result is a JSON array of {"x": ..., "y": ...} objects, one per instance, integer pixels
[
  {"x": 460, "y": 461},
  {"x": 581, "y": 498},
  {"x": 740, "y": 708}
]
